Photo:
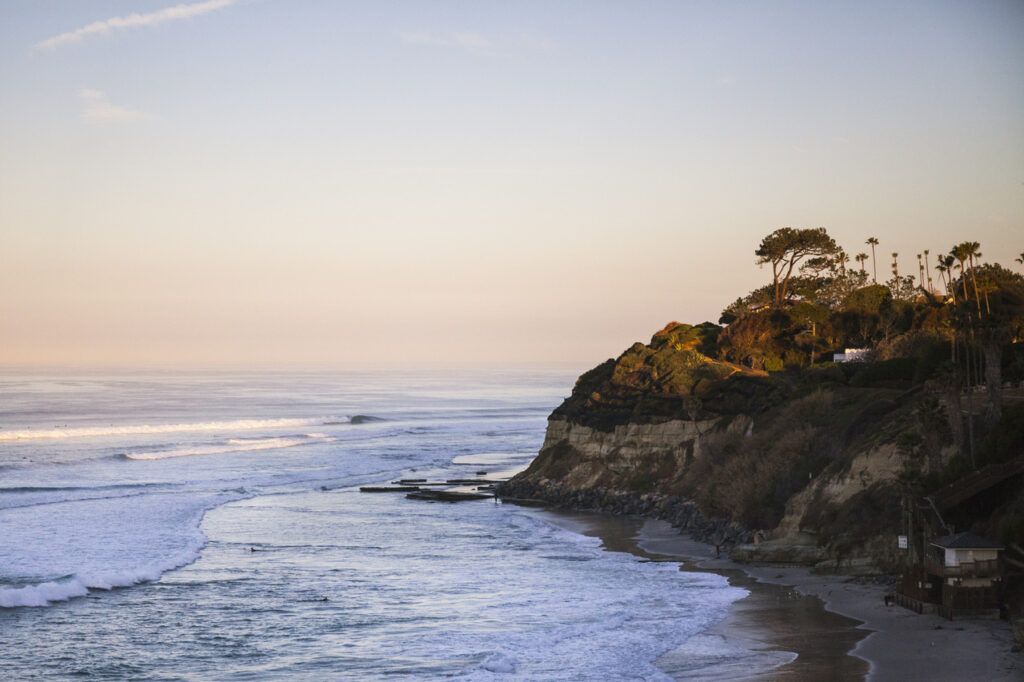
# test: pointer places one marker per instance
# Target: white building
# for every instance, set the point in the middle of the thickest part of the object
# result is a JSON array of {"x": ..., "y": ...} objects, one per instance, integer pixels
[
  {"x": 852, "y": 355},
  {"x": 966, "y": 560}
]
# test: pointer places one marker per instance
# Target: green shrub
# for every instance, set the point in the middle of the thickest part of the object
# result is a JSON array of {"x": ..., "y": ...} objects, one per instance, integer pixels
[
  {"x": 930, "y": 361},
  {"x": 794, "y": 359},
  {"x": 826, "y": 372},
  {"x": 1013, "y": 362},
  {"x": 880, "y": 373},
  {"x": 869, "y": 299},
  {"x": 1005, "y": 440}
]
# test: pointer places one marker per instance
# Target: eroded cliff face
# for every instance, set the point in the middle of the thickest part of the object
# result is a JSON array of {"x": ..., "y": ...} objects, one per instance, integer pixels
[
  {"x": 809, "y": 473},
  {"x": 639, "y": 457},
  {"x": 654, "y": 469},
  {"x": 632, "y": 468}
]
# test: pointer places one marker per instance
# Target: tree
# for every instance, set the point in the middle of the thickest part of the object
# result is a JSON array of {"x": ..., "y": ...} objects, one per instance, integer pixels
[
  {"x": 860, "y": 258},
  {"x": 948, "y": 380},
  {"x": 960, "y": 253},
  {"x": 842, "y": 259},
  {"x": 895, "y": 265},
  {"x": 928, "y": 271},
  {"x": 1003, "y": 324},
  {"x": 985, "y": 286},
  {"x": 947, "y": 267},
  {"x": 902, "y": 288},
  {"x": 942, "y": 274},
  {"x": 873, "y": 242},
  {"x": 756, "y": 300},
  {"x": 812, "y": 315},
  {"x": 785, "y": 248},
  {"x": 972, "y": 253}
]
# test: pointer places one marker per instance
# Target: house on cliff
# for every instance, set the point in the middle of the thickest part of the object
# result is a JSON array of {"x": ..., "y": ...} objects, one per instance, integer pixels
[{"x": 852, "y": 355}]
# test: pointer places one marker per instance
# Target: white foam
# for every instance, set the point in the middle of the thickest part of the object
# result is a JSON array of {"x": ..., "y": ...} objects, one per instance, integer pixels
[
  {"x": 498, "y": 663},
  {"x": 713, "y": 658},
  {"x": 161, "y": 534},
  {"x": 233, "y": 445},
  {"x": 491, "y": 458},
  {"x": 42, "y": 594},
  {"x": 142, "y": 429},
  {"x": 632, "y": 613},
  {"x": 81, "y": 583}
]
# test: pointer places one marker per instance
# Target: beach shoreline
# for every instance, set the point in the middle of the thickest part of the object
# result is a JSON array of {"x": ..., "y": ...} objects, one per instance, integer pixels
[{"x": 797, "y": 625}]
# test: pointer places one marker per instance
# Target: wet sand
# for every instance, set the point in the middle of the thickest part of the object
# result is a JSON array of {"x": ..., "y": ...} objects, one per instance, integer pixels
[
  {"x": 774, "y": 633},
  {"x": 794, "y": 625},
  {"x": 899, "y": 645}
]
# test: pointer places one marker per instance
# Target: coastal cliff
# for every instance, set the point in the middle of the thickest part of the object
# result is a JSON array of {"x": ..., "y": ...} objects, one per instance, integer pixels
[{"x": 807, "y": 467}]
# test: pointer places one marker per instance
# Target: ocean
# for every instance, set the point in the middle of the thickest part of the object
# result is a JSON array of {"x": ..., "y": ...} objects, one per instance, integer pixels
[{"x": 194, "y": 525}]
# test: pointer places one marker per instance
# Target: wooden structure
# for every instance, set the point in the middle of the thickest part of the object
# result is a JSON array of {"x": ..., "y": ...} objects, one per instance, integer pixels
[
  {"x": 966, "y": 567},
  {"x": 958, "y": 575}
]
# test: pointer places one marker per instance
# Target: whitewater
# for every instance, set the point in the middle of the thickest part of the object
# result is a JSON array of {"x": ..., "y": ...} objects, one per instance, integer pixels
[{"x": 209, "y": 525}]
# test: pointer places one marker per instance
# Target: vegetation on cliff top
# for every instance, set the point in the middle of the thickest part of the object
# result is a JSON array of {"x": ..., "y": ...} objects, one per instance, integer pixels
[
  {"x": 672, "y": 376},
  {"x": 928, "y": 347},
  {"x": 963, "y": 335}
]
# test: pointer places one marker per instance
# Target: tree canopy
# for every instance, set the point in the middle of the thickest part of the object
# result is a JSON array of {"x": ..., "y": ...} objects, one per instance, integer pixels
[
  {"x": 786, "y": 247},
  {"x": 814, "y": 304}
]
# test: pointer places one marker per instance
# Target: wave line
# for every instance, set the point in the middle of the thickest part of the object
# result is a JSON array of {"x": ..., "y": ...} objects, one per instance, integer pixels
[
  {"x": 142, "y": 429},
  {"x": 234, "y": 445}
]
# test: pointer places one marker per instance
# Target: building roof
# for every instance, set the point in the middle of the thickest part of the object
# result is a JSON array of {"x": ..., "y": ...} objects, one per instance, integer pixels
[{"x": 966, "y": 540}]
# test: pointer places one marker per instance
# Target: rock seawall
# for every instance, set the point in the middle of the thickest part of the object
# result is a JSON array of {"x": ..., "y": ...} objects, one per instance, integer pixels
[{"x": 678, "y": 511}]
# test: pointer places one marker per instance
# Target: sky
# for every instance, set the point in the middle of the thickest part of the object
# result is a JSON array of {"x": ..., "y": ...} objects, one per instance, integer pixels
[{"x": 389, "y": 182}]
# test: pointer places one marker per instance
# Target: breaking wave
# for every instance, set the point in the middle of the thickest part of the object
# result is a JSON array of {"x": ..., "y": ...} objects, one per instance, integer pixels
[
  {"x": 234, "y": 445},
  {"x": 80, "y": 583},
  {"x": 142, "y": 429}
]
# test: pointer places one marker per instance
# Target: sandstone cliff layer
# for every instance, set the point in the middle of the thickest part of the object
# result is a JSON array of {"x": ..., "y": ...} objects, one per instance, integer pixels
[{"x": 807, "y": 466}]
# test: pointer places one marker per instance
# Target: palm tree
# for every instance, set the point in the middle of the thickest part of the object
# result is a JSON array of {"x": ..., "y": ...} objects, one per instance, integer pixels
[
  {"x": 959, "y": 252},
  {"x": 860, "y": 258},
  {"x": 895, "y": 265},
  {"x": 972, "y": 253},
  {"x": 1021, "y": 259},
  {"x": 986, "y": 287},
  {"x": 966, "y": 252},
  {"x": 928, "y": 270},
  {"x": 842, "y": 259},
  {"x": 873, "y": 242},
  {"x": 947, "y": 267},
  {"x": 920, "y": 271},
  {"x": 996, "y": 328},
  {"x": 942, "y": 268}
]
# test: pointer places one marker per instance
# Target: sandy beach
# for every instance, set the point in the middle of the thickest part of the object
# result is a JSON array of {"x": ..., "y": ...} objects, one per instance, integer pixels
[{"x": 795, "y": 625}]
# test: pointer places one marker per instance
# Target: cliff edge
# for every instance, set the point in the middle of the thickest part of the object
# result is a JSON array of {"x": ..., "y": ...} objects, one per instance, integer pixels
[{"x": 809, "y": 467}]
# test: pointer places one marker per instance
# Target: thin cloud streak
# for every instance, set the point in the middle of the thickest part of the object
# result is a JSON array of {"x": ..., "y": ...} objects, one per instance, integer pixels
[
  {"x": 133, "y": 21},
  {"x": 98, "y": 109}
]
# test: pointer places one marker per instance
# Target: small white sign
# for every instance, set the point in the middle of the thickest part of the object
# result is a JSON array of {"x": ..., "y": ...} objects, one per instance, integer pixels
[{"x": 902, "y": 542}]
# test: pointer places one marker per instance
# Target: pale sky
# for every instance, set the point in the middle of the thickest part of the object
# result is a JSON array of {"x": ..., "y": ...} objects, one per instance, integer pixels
[{"x": 260, "y": 181}]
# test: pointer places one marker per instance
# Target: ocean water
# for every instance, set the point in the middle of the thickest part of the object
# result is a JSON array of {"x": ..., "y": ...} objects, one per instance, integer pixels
[{"x": 174, "y": 525}]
